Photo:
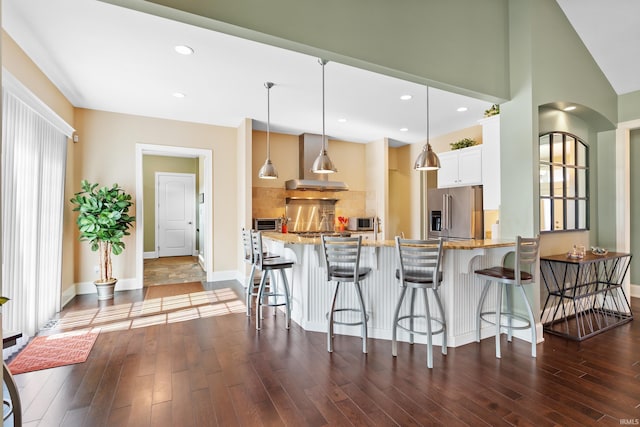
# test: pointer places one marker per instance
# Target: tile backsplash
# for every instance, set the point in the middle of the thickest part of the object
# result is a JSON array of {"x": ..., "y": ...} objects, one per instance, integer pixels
[{"x": 270, "y": 202}]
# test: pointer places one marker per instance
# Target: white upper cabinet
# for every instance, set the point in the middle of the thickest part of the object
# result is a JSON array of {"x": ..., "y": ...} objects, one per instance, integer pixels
[
  {"x": 491, "y": 162},
  {"x": 460, "y": 167}
]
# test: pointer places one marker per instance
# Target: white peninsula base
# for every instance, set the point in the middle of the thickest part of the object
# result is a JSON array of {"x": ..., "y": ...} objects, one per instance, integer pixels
[{"x": 460, "y": 290}]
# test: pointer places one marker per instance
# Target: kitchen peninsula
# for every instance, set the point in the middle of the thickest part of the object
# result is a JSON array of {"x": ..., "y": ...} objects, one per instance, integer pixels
[{"x": 460, "y": 290}]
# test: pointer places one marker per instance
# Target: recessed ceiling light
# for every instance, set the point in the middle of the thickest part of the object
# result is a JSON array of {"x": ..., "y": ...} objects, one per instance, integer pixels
[
  {"x": 570, "y": 108},
  {"x": 179, "y": 94},
  {"x": 406, "y": 97},
  {"x": 462, "y": 109},
  {"x": 183, "y": 49},
  {"x": 342, "y": 120},
  {"x": 404, "y": 129}
]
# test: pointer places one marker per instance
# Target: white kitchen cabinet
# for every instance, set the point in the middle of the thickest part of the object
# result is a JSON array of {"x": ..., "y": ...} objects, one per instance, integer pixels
[
  {"x": 460, "y": 167},
  {"x": 491, "y": 163}
]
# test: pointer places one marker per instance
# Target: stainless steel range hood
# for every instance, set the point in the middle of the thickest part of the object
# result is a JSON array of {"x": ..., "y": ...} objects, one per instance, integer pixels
[{"x": 309, "y": 148}]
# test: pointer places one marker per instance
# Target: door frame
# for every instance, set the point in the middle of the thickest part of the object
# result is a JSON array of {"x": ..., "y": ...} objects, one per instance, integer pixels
[
  {"x": 623, "y": 196},
  {"x": 207, "y": 174},
  {"x": 193, "y": 227}
]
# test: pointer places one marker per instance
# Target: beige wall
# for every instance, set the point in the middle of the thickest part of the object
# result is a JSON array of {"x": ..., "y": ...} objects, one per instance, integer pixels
[
  {"x": 268, "y": 196},
  {"x": 151, "y": 165},
  {"x": 24, "y": 69},
  {"x": 106, "y": 154},
  {"x": 377, "y": 182},
  {"x": 400, "y": 173},
  {"x": 348, "y": 157},
  {"x": 441, "y": 143},
  {"x": 284, "y": 156},
  {"x": 21, "y": 67}
]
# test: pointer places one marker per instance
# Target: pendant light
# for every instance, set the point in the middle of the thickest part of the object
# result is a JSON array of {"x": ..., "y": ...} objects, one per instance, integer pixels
[
  {"x": 427, "y": 160},
  {"x": 268, "y": 171},
  {"x": 323, "y": 163}
]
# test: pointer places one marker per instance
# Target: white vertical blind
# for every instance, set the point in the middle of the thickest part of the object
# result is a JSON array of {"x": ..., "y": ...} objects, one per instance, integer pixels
[{"x": 33, "y": 173}]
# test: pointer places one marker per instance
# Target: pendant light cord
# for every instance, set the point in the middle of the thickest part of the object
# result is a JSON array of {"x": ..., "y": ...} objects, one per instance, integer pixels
[
  {"x": 427, "y": 114},
  {"x": 268, "y": 85},
  {"x": 323, "y": 62}
]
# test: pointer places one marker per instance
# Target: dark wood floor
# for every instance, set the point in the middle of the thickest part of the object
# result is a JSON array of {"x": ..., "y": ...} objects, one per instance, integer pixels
[{"x": 219, "y": 371}]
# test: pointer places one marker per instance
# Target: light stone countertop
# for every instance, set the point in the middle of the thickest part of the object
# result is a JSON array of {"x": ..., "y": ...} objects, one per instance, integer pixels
[{"x": 291, "y": 238}]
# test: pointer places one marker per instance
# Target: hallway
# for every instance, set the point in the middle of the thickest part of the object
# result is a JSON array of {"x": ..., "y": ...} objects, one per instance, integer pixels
[{"x": 166, "y": 270}]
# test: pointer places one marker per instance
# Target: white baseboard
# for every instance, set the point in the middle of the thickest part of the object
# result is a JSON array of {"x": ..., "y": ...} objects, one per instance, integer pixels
[
  {"x": 635, "y": 291},
  {"x": 150, "y": 255},
  {"x": 219, "y": 276},
  {"x": 85, "y": 288},
  {"x": 68, "y": 295}
]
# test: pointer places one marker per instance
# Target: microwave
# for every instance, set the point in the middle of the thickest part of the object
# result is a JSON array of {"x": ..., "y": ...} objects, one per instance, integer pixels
[
  {"x": 267, "y": 224},
  {"x": 360, "y": 224}
]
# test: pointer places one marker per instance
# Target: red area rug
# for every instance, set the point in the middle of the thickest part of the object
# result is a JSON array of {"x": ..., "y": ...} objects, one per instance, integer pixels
[{"x": 51, "y": 351}]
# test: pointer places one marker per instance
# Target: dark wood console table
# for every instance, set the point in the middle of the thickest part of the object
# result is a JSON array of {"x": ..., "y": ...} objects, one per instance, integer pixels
[{"x": 585, "y": 295}]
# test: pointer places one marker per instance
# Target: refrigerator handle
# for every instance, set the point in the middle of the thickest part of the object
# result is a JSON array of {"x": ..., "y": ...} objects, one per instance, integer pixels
[
  {"x": 449, "y": 213},
  {"x": 446, "y": 214}
]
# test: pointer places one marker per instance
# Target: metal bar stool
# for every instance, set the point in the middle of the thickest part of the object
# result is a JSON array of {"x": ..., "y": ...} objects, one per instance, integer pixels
[
  {"x": 342, "y": 257},
  {"x": 253, "y": 282},
  {"x": 419, "y": 269},
  {"x": 527, "y": 258},
  {"x": 268, "y": 265}
]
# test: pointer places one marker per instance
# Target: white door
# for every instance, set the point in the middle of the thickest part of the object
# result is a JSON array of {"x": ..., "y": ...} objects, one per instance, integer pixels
[{"x": 176, "y": 204}]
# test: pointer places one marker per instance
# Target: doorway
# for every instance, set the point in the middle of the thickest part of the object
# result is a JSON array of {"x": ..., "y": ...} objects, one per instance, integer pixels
[{"x": 145, "y": 227}]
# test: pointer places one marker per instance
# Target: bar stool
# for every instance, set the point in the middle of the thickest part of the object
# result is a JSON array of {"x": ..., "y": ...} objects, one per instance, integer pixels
[
  {"x": 419, "y": 269},
  {"x": 342, "y": 257},
  {"x": 508, "y": 278},
  {"x": 253, "y": 281},
  {"x": 268, "y": 265}
]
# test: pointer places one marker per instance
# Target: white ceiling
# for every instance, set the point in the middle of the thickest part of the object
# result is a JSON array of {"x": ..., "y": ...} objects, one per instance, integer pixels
[
  {"x": 610, "y": 30},
  {"x": 106, "y": 57}
]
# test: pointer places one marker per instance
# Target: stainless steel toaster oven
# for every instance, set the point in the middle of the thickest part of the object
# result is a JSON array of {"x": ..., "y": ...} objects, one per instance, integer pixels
[{"x": 267, "y": 224}]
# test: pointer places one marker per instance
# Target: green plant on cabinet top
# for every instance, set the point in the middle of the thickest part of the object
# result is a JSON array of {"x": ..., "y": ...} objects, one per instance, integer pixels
[
  {"x": 493, "y": 111},
  {"x": 463, "y": 143}
]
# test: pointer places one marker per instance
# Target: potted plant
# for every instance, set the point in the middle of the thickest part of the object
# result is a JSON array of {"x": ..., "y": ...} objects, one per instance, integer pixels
[
  {"x": 493, "y": 111},
  {"x": 103, "y": 221},
  {"x": 463, "y": 143}
]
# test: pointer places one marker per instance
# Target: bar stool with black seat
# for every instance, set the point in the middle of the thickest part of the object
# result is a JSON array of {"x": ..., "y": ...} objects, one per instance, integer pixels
[
  {"x": 526, "y": 258},
  {"x": 269, "y": 265},
  {"x": 253, "y": 281},
  {"x": 419, "y": 269},
  {"x": 342, "y": 257}
]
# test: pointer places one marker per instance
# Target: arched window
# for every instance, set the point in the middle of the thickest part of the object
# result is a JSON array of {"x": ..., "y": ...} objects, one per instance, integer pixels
[{"x": 564, "y": 182}]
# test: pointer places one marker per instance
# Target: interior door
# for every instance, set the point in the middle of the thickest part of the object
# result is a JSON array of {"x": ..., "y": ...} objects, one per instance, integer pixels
[{"x": 176, "y": 204}]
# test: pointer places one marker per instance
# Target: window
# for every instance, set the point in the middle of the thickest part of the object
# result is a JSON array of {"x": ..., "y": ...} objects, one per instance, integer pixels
[
  {"x": 34, "y": 152},
  {"x": 564, "y": 182}
]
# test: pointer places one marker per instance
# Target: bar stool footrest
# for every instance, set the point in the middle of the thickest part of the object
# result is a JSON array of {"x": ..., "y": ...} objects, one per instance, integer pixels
[
  {"x": 267, "y": 296},
  {"x": 355, "y": 310},
  {"x": 415, "y": 331},
  {"x": 527, "y": 323}
]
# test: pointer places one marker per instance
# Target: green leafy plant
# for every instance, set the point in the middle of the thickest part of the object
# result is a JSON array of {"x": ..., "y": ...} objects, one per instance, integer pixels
[
  {"x": 493, "y": 111},
  {"x": 463, "y": 143},
  {"x": 103, "y": 221}
]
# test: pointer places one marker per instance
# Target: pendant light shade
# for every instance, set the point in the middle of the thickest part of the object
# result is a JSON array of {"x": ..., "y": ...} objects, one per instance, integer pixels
[
  {"x": 322, "y": 163},
  {"x": 268, "y": 171},
  {"x": 427, "y": 159}
]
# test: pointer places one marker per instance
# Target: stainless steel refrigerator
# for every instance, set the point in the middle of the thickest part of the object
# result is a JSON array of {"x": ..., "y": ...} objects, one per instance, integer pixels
[{"x": 455, "y": 213}]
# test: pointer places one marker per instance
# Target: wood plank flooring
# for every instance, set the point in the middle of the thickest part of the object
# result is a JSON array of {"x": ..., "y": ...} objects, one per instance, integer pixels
[{"x": 219, "y": 371}]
